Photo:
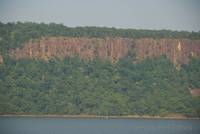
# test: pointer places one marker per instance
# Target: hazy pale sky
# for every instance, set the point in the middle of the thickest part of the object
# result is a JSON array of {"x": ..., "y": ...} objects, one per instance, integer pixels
[{"x": 137, "y": 14}]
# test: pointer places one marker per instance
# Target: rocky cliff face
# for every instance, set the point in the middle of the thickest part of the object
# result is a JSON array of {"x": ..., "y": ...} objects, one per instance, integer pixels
[
  {"x": 86, "y": 48},
  {"x": 178, "y": 51}
]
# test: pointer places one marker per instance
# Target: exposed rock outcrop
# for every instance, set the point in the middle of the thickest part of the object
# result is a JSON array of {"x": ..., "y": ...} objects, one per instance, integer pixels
[
  {"x": 178, "y": 51},
  {"x": 86, "y": 48}
]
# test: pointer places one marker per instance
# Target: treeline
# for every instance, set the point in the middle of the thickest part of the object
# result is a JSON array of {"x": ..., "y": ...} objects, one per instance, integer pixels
[
  {"x": 73, "y": 86},
  {"x": 13, "y": 35}
]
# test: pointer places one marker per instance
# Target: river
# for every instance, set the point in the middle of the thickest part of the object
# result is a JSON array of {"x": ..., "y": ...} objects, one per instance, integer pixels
[{"x": 36, "y": 125}]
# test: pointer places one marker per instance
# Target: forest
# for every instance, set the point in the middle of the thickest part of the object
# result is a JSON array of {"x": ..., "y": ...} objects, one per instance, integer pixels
[{"x": 73, "y": 86}]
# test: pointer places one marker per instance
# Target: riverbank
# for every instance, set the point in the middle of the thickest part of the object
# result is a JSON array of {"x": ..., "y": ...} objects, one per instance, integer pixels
[{"x": 103, "y": 117}]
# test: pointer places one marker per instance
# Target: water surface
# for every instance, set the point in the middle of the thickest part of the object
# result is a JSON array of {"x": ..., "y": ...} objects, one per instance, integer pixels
[{"x": 31, "y": 125}]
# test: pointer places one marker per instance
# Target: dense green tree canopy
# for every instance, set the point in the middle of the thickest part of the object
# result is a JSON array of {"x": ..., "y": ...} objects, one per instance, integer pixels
[{"x": 73, "y": 86}]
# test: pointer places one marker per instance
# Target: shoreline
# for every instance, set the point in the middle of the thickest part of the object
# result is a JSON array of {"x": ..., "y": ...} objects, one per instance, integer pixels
[{"x": 101, "y": 117}]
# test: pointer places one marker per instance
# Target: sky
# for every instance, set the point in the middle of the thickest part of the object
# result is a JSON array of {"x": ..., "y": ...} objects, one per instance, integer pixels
[{"x": 137, "y": 14}]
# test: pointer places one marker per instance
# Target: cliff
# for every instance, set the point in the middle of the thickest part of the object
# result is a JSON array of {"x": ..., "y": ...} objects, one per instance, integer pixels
[{"x": 177, "y": 50}]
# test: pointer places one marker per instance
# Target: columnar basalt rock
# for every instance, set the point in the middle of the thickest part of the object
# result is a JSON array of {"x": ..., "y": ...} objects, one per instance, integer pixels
[
  {"x": 86, "y": 48},
  {"x": 177, "y": 50}
]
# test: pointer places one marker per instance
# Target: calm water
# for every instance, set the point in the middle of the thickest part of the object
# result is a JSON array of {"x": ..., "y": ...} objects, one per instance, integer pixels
[{"x": 26, "y": 125}]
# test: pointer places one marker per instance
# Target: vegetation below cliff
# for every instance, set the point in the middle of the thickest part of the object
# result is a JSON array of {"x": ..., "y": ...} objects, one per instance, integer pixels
[{"x": 74, "y": 86}]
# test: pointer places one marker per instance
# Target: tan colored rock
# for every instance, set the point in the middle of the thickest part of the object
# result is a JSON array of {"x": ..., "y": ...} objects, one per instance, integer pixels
[
  {"x": 86, "y": 48},
  {"x": 178, "y": 51}
]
